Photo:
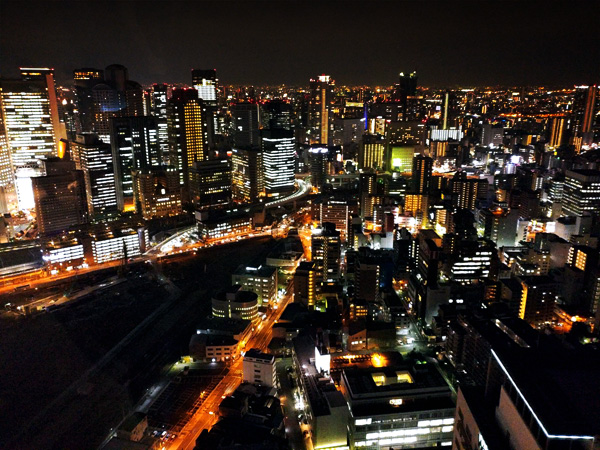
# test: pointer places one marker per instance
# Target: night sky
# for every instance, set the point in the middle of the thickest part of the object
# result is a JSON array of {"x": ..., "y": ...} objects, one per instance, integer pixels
[{"x": 448, "y": 43}]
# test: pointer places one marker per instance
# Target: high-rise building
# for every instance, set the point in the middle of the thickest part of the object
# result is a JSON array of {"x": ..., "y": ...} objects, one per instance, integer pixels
[
  {"x": 158, "y": 96},
  {"x": 60, "y": 200},
  {"x": 318, "y": 162},
  {"x": 325, "y": 250},
  {"x": 582, "y": 122},
  {"x": 30, "y": 114},
  {"x": 372, "y": 152},
  {"x": 538, "y": 295},
  {"x": 404, "y": 93},
  {"x": 210, "y": 183},
  {"x": 134, "y": 146},
  {"x": 421, "y": 174},
  {"x": 581, "y": 192},
  {"x": 206, "y": 84},
  {"x": 31, "y": 129},
  {"x": 319, "y": 110},
  {"x": 279, "y": 153},
  {"x": 95, "y": 159},
  {"x": 157, "y": 192},
  {"x": 401, "y": 158},
  {"x": 464, "y": 191},
  {"x": 83, "y": 82},
  {"x": 246, "y": 124},
  {"x": 188, "y": 135},
  {"x": 247, "y": 181},
  {"x": 116, "y": 96},
  {"x": 556, "y": 132},
  {"x": 306, "y": 279}
]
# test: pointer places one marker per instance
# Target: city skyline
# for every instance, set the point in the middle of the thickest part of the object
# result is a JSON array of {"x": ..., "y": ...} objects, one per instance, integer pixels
[{"x": 536, "y": 44}]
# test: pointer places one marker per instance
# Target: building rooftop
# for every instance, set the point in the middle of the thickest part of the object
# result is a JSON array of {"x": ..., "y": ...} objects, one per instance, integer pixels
[
  {"x": 260, "y": 271},
  {"x": 561, "y": 388},
  {"x": 257, "y": 354}
]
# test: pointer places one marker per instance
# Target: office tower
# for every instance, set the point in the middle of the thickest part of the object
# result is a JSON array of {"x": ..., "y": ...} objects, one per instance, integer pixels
[
  {"x": 413, "y": 132},
  {"x": 188, "y": 136},
  {"x": 401, "y": 158},
  {"x": 94, "y": 158},
  {"x": 206, "y": 84},
  {"x": 325, "y": 250},
  {"x": 157, "y": 192},
  {"x": 471, "y": 262},
  {"x": 247, "y": 181},
  {"x": 556, "y": 132},
  {"x": 6, "y": 171},
  {"x": 320, "y": 116},
  {"x": 404, "y": 92},
  {"x": 134, "y": 146},
  {"x": 372, "y": 152},
  {"x": 83, "y": 82},
  {"x": 60, "y": 200},
  {"x": 491, "y": 136},
  {"x": 318, "y": 161},
  {"x": 246, "y": 125},
  {"x": 336, "y": 211},
  {"x": 30, "y": 116},
  {"x": 582, "y": 121},
  {"x": 367, "y": 278},
  {"x": 261, "y": 280},
  {"x": 116, "y": 96},
  {"x": 279, "y": 153},
  {"x": 499, "y": 226},
  {"x": 210, "y": 183},
  {"x": 421, "y": 174},
  {"x": 158, "y": 96},
  {"x": 581, "y": 192},
  {"x": 277, "y": 114},
  {"x": 31, "y": 129},
  {"x": 464, "y": 191}
]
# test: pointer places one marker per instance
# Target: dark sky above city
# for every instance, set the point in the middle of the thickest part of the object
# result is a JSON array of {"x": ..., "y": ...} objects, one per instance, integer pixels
[{"x": 358, "y": 42}]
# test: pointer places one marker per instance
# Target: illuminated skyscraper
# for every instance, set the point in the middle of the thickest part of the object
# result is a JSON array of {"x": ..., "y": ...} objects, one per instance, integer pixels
[
  {"x": 319, "y": 110},
  {"x": 187, "y": 132},
  {"x": 157, "y": 192},
  {"x": 134, "y": 146},
  {"x": 421, "y": 174},
  {"x": 325, "y": 251},
  {"x": 556, "y": 130},
  {"x": 206, "y": 83},
  {"x": 247, "y": 180},
  {"x": 246, "y": 125},
  {"x": 158, "y": 108},
  {"x": 210, "y": 183},
  {"x": 31, "y": 116},
  {"x": 31, "y": 129},
  {"x": 372, "y": 152},
  {"x": 95, "y": 159},
  {"x": 279, "y": 152}
]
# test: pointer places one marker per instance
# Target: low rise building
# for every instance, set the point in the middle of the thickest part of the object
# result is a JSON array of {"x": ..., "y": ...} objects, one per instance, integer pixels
[
  {"x": 261, "y": 280},
  {"x": 259, "y": 368},
  {"x": 407, "y": 405},
  {"x": 235, "y": 303}
]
